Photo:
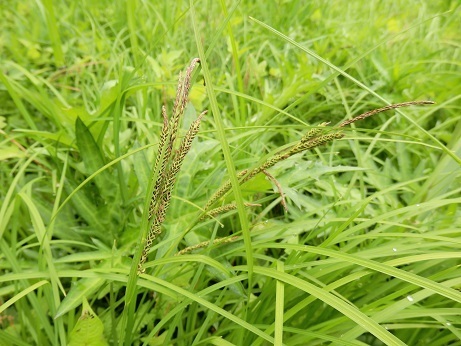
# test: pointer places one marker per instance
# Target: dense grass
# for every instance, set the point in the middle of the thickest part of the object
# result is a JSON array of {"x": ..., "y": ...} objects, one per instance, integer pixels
[{"x": 367, "y": 251}]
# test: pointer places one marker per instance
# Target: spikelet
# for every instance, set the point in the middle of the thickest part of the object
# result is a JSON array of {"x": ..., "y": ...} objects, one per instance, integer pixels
[
  {"x": 168, "y": 164},
  {"x": 225, "y": 208},
  {"x": 383, "y": 109},
  {"x": 222, "y": 190},
  {"x": 315, "y": 142},
  {"x": 160, "y": 157},
  {"x": 206, "y": 243},
  {"x": 178, "y": 159},
  {"x": 314, "y": 132}
]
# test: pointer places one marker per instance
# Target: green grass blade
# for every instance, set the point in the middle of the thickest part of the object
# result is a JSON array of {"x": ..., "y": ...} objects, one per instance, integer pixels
[
  {"x": 345, "y": 308},
  {"x": 224, "y": 145},
  {"x": 93, "y": 158},
  {"x": 53, "y": 32},
  {"x": 17, "y": 100},
  {"x": 23, "y": 293},
  {"x": 411, "y": 278},
  {"x": 279, "y": 307}
]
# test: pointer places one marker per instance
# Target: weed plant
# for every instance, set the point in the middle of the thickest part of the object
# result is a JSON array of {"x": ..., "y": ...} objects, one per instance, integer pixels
[{"x": 252, "y": 210}]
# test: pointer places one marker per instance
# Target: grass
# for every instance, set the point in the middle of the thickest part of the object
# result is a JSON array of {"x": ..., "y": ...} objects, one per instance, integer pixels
[{"x": 353, "y": 242}]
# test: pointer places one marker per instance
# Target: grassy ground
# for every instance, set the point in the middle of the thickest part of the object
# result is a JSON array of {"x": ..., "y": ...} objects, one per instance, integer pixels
[{"x": 367, "y": 250}]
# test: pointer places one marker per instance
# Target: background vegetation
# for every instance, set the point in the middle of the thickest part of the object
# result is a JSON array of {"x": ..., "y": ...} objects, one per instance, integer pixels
[{"x": 368, "y": 249}]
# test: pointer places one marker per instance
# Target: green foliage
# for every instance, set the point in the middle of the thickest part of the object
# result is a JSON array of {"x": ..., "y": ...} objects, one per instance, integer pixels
[
  {"x": 88, "y": 330},
  {"x": 354, "y": 242}
]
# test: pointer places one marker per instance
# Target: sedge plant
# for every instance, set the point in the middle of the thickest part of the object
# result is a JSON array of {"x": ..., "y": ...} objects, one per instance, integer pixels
[{"x": 169, "y": 160}]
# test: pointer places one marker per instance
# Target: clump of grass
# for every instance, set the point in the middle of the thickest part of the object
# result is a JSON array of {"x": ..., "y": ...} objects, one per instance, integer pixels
[
  {"x": 168, "y": 163},
  {"x": 377, "y": 227}
]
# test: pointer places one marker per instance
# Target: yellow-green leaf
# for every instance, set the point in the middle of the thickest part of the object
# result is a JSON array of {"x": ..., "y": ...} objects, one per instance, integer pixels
[{"x": 89, "y": 330}]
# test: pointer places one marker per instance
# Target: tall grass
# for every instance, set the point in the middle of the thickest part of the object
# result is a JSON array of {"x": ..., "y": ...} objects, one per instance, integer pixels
[{"x": 123, "y": 222}]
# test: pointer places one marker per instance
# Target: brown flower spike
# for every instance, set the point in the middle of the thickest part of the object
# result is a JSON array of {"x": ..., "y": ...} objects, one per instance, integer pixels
[{"x": 169, "y": 161}]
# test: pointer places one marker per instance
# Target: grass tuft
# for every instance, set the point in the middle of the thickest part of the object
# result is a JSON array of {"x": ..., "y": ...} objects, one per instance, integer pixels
[{"x": 308, "y": 205}]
